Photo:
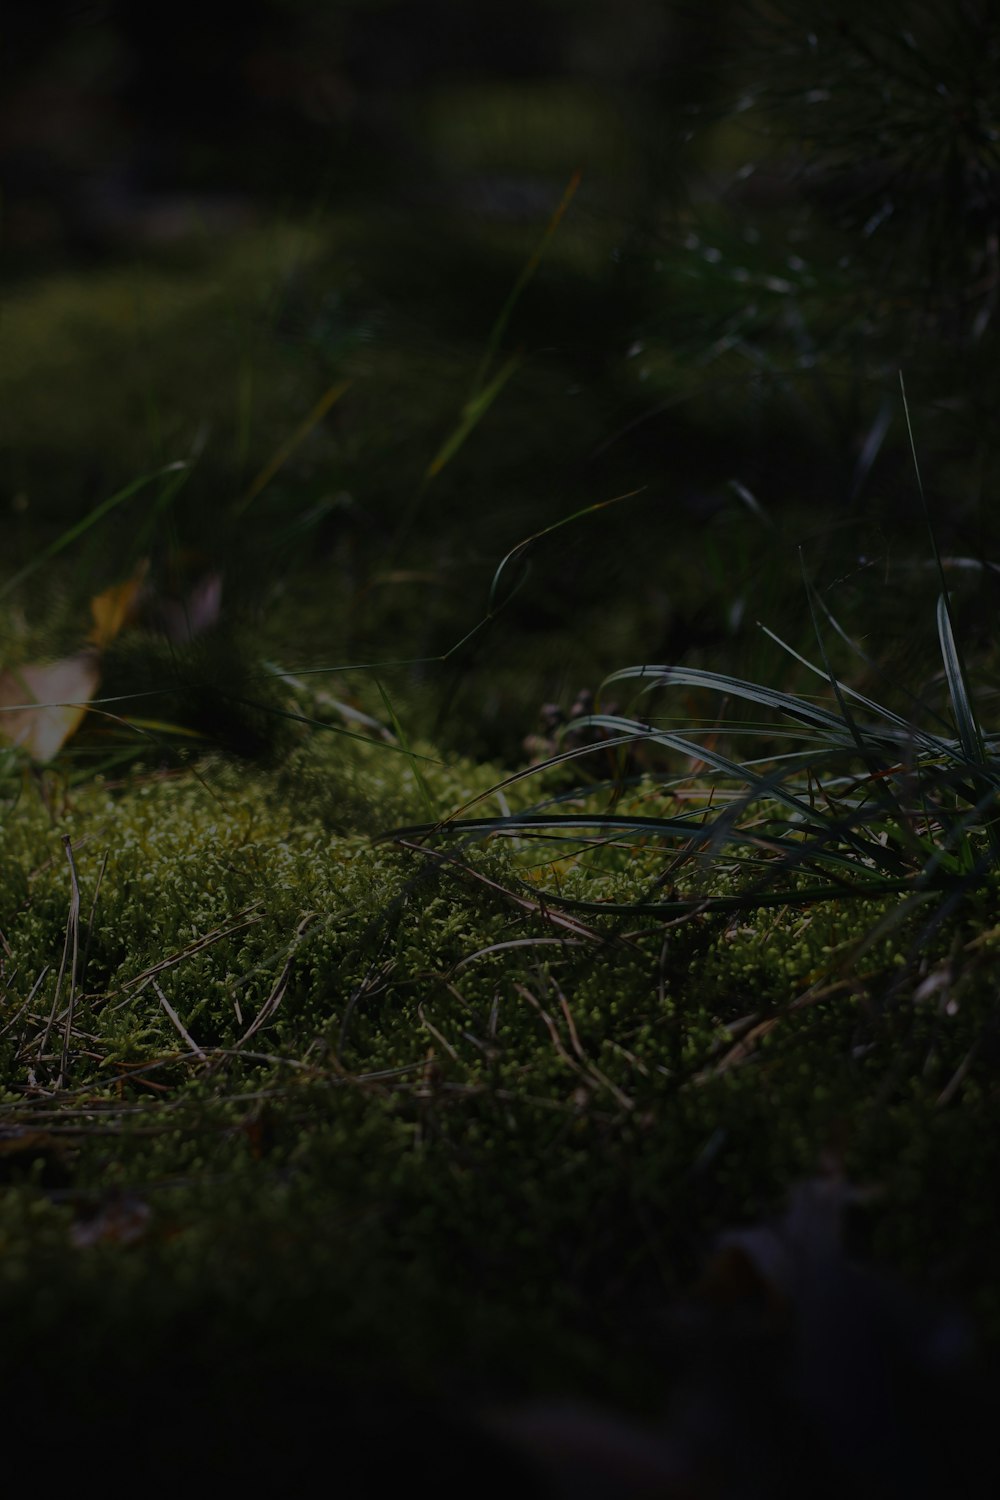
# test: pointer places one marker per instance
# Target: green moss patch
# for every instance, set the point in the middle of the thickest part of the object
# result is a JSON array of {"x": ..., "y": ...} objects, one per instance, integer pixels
[{"x": 274, "y": 1084}]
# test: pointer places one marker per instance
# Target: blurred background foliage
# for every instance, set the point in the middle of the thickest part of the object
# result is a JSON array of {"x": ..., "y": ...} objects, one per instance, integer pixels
[{"x": 781, "y": 206}]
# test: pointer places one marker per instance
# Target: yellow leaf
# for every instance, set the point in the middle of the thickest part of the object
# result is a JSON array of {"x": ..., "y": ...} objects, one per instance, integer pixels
[
  {"x": 60, "y": 689},
  {"x": 116, "y": 607}
]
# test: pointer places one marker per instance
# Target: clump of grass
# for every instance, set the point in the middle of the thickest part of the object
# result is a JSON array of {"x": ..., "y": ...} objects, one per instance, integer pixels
[
  {"x": 873, "y": 836},
  {"x": 873, "y": 804}
]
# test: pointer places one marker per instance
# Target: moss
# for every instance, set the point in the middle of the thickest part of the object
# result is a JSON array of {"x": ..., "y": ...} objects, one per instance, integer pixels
[{"x": 460, "y": 1123}]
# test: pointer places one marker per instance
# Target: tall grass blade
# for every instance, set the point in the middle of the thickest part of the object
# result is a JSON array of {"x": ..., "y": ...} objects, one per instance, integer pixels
[
  {"x": 528, "y": 270},
  {"x": 875, "y": 763},
  {"x": 288, "y": 447},
  {"x": 485, "y": 393},
  {"x": 870, "y": 662},
  {"x": 70, "y": 535},
  {"x": 412, "y": 757},
  {"x": 954, "y": 665},
  {"x": 482, "y": 395},
  {"x": 968, "y": 730},
  {"x": 472, "y": 414},
  {"x": 464, "y": 649},
  {"x": 970, "y": 734},
  {"x": 528, "y": 544},
  {"x": 797, "y": 709}
]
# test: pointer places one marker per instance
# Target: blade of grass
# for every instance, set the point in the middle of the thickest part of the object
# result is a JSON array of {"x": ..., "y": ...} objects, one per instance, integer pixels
[
  {"x": 472, "y": 414},
  {"x": 956, "y": 674},
  {"x": 627, "y": 732},
  {"x": 288, "y": 447},
  {"x": 425, "y": 791},
  {"x": 954, "y": 665},
  {"x": 875, "y": 763},
  {"x": 869, "y": 661},
  {"x": 786, "y": 703},
  {"x": 70, "y": 535},
  {"x": 968, "y": 730},
  {"x": 518, "y": 553},
  {"x": 528, "y": 270},
  {"x": 465, "y": 649},
  {"x": 482, "y": 395},
  {"x": 744, "y": 901},
  {"x": 795, "y": 708},
  {"x": 565, "y": 826}
]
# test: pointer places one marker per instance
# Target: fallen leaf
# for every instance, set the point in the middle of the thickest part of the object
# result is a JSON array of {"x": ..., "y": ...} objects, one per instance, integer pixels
[
  {"x": 122, "y": 1220},
  {"x": 60, "y": 689},
  {"x": 116, "y": 607}
]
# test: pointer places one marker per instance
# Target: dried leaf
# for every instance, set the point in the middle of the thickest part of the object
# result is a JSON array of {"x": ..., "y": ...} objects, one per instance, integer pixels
[
  {"x": 122, "y": 1220},
  {"x": 61, "y": 689},
  {"x": 116, "y": 607}
]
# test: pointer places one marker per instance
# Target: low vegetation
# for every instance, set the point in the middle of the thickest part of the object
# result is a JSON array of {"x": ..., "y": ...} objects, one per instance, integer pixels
[{"x": 451, "y": 875}]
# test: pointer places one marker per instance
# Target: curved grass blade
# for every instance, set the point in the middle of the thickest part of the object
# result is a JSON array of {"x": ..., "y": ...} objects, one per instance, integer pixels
[
  {"x": 718, "y": 831},
  {"x": 734, "y": 687},
  {"x": 969, "y": 731},
  {"x": 869, "y": 661},
  {"x": 798, "y": 709},
  {"x": 881, "y": 785},
  {"x": 677, "y": 906},
  {"x": 760, "y": 787},
  {"x": 519, "y": 552},
  {"x": 958, "y": 689}
]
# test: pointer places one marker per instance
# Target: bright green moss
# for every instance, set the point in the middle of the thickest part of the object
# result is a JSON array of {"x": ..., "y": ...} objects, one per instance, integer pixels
[{"x": 448, "y": 1075}]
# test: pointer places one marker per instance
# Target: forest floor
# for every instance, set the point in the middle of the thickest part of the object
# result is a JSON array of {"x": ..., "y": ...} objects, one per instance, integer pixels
[{"x": 393, "y": 1009}]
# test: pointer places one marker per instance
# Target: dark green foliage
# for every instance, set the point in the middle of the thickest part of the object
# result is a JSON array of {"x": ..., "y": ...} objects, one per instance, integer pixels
[
  {"x": 375, "y": 1072},
  {"x": 892, "y": 114}
]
